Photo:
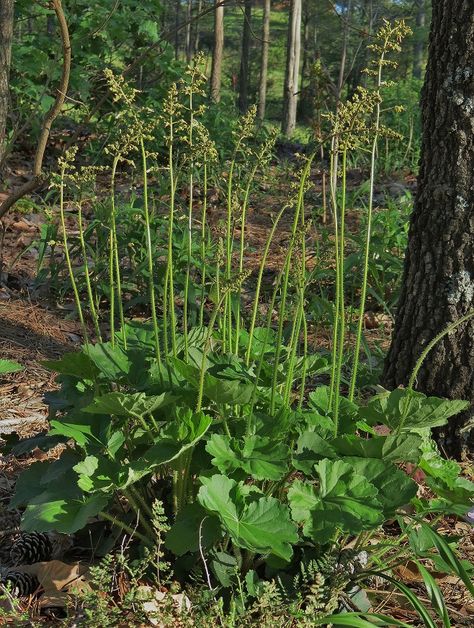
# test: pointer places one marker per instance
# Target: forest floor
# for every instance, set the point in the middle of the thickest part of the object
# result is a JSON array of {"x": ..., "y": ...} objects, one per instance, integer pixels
[{"x": 34, "y": 329}]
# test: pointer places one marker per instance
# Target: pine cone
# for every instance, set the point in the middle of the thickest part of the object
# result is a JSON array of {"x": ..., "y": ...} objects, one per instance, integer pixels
[
  {"x": 20, "y": 584},
  {"x": 29, "y": 548}
]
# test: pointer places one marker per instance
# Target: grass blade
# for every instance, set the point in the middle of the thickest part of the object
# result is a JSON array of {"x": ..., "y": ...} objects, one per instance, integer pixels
[
  {"x": 435, "y": 595},
  {"x": 414, "y": 601},
  {"x": 449, "y": 557},
  {"x": 359, "y": 620}
]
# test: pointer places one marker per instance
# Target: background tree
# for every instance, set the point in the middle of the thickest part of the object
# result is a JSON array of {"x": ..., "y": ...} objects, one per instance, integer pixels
[
  {"x": 438, "y": 282},
  {"x": 262, "y": 88},
  {"x": 218, "y": 51},
  {"x": 189, "y": 45},
  {"x": 290, "y": 93},
  {"x": 244, "y": 77},
  {"x": 6, "y": 35},
  {"x": 418, "y": 48}
]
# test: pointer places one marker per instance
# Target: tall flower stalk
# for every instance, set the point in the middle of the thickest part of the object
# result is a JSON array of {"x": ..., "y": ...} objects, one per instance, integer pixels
[
  {"x": 169, "y": 306},
  {"x": 261, "y": 160},
  {"x": 388, "y": 39},
  {"x": 65, "y": 164},
  {"x": 246, "y": 128}
]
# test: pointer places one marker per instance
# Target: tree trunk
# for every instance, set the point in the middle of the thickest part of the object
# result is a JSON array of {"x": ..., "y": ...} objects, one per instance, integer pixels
[
  {"x": 216, "y": 71},
  {"x": 345, "y": 38},
  {"x": 197, "y": 30},
  {"x": 262, "y": 89},
  {"x": 6, "y": 36},
  {"x": 418, "y": 47},
  {"x": 438, "y": 282},
  {"x": 290, "y": 95},
  {"x": 189, "y": 12},
  {"x": 177, "y": 19},
  {"x": 245, "y": 59}
]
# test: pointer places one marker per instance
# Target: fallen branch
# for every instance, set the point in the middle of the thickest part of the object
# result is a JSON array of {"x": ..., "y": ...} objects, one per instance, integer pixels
[{"x": 38, "y": 177}]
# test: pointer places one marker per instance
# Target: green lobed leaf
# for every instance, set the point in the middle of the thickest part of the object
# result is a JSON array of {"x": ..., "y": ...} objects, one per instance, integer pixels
[
  {"x": 344, "y": 501},
  {"x": 219, "y": 390},
  {"x": 177, "y": 437},
  {"x": 77, "y": 364},
  {"x": 406, "y": 409},
  {"x": 98, "y": 473},
  {"x": 193, "y": 528},
  {"x": 128, "y": 404},
  {"x": 112, "y": 362},
  {"x": 262, "y": 525},
  {"x": 258, "y": 456},
  {"x": 395, "y": 488},
  {"x": 59, "y": 510}
]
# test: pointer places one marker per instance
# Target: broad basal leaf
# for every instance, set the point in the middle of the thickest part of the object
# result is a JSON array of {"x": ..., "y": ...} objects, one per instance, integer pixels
[
  {"x": 405, "y": 409},
  {"x": 112, "y": 362},
  {"x": 258, "y": 456},
  {"x": 395, "y": 488},
  {"x": 217, "y": 389},
  {"x": 128, "y": 404},
  {"x": 310, "y": 448},
  {"x": 263, "y": 339},
  {"x": 262, "y": 525},
  {"x": 179, "y": 436},
  {"x": 61, "y": 511},
  {"x": 77, "y": 364},
  {"x": 344, "y": 501},
  {"x": 31, "y": 482},
  {"x": 98, "y": 473},
  {"x": 194, "y": 527},
  {"x": 319, "y": 399},
  {"x": 395, "y": 448},
  {"x": 140, "y": 336}
]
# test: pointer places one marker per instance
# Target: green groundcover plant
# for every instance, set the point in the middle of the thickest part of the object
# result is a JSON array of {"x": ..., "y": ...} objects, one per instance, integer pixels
[{"x": 251, "y": 497}]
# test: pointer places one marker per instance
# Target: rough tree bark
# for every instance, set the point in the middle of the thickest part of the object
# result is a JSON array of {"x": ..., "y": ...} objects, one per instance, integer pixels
[
  {"x": 6, "y": 36},
  {"x": 418, "y": 47},
  {"x": 293, "y": 50},
  {"x": 216, "y": 71},
  {"x": 438, "y": 282},
  {"x": 245, "y": 59}
]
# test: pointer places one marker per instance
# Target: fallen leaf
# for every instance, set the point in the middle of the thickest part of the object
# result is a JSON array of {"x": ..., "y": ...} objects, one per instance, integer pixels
[
  {"x": 23, "y": 225},
  {"x": 409, "y": 572},
  {"x": 58, "y": 580}
]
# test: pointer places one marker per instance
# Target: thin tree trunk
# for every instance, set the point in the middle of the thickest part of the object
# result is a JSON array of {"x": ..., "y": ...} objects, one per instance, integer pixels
[
  {"x": 216, "y": 70},
  {"x": 262, "y": 90},
  {"x": 418, "y": 48},
  {"x": 438, "y": 281},
  {"x": 189, "y": 11},
  {"x": 197, "y": 30},
  {"x": 345, "y": 38},
  {"x": 177, "y": 19},
  {"x": 6, "y": 36},
  {"x": 306, "y": 47},
  {"x": 245, "y": 59},
  {"x": 290, "y": 96}
]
